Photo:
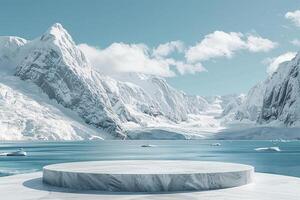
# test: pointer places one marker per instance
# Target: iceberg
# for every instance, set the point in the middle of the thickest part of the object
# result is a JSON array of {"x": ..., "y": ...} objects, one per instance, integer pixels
[{"x": 268, "y": 149}]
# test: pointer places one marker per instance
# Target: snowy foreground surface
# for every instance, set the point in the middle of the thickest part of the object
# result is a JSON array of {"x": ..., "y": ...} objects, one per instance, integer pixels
[{"x": 265, "y": 187}]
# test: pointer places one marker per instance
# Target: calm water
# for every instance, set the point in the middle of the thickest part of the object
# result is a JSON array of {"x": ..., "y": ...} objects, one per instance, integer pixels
[{"x": 286, "y": 162}]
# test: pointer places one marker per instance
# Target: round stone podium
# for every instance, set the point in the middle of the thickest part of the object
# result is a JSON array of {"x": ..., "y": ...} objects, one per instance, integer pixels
[{"x": 147, "y": 175}]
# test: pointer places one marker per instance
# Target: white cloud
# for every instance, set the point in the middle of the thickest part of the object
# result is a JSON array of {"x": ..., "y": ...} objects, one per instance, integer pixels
[
  {"x": 296, "y": 42},
  {"x": 120, "y": 58},
  {"x": 222, "y": 44},
  {"x": 259, "y": 44},
  {"x": 167, "y": 48},
  {"x": 274, "y": 63},
  {"x": 294, "y": 17},
  {"x": 217, "y": 44}
]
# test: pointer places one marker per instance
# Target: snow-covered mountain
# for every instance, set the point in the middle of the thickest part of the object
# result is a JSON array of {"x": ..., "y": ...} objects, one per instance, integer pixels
[
  {"x": 59, "y": 68},
  {"x": 275, "y": 101},
  {"x": 49, "y": 90},
  {"x": 251, "y": 105},
  {"x": 281, "y": 103},
  {"x": 10, "y": 54},
  {"x": 27, "y": 112},
  {"x": 230, "y": 107},
  {"x": 164, "y": 100}
]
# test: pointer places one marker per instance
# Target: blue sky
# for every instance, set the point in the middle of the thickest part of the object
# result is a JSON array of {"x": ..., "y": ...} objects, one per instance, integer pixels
[{"x": 101, "y": 23}]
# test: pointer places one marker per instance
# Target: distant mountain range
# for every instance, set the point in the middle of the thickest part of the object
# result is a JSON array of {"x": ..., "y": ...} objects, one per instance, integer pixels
[{"x": 50, "y": 91}]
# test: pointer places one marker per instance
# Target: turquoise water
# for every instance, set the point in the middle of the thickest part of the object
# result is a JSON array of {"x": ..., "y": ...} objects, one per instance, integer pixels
[{"x": 286, "y": 162}]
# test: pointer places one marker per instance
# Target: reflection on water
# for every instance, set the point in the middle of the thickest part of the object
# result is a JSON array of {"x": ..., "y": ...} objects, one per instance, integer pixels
[{"x": 286, "y": 162}]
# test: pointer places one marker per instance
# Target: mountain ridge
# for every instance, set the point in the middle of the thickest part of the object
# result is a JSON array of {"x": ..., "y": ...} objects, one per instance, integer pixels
[
  {"x": 65, "y": 88},
  {"x": 57, "y": 66}
]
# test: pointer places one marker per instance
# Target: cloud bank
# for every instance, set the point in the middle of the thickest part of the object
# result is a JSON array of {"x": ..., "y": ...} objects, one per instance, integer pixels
[
  {"x": 222, "y": 44},
  {"x": 121, "y": 57}
]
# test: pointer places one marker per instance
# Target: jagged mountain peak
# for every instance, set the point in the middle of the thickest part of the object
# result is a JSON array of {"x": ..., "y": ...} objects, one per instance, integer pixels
[
  {"x": 58, "y": 39},
  {"x": 56, "y": 65},
  {"x": 57, "y": 45},
  {"x": 57, "y": 32},
  {"x": 57, "y": 26}
]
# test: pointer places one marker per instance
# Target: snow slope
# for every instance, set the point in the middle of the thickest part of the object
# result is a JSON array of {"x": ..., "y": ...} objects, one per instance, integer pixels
[{"x": 26, "y": 113}]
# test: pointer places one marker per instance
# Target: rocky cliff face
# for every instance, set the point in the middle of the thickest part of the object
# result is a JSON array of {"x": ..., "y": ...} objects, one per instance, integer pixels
[
  {"x": 281, "y": 101},
  {"x": 60, "y": 69},
  {"x": 275, "y": 101}
]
